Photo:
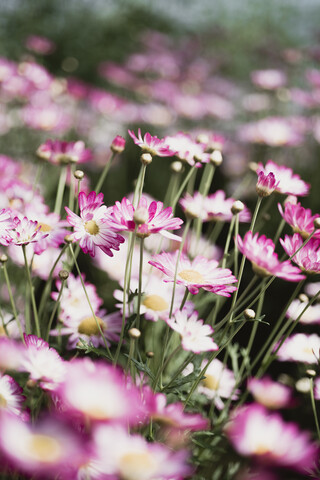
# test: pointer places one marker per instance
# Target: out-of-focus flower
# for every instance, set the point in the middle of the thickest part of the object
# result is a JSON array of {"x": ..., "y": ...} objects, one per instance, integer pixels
[
  {"x": 153, "y": 145},
  {"x": 195, "y": 336},
  {"x": 269, "y": 79},
  {"x": 266, "y": 184},
  {"x": 187, "y": 149},
  {"x": 219, "y": 208},
  {"x": 93, "y": 228},
  {"x": 11, "y": 354},
  {"x": 272, "y": 131},
  {"x": 287, "y": 182},
  {"x": 255, "y": 432},
  {"x": 6, "y": 223},
  {"x": 300, "y": 348},
  {"x": 308, "y": 258},
  {"x": 300, "y": 219},
  {"x": 145, "y": 219},
  {"x": 11, "y": 398},
  {"x": 264, "y": 260},
  {"x": 194, "y": 206},
  {"x": 39, "y": 44},
  {"x": 219, "y": 383},
  {"x": 310, "y": 316},
  {"x": 270, "y": 394},
  {"x": 118, "y": 144},
  {"x": 196, "y": 274},
  {"x": 60, "y": 152}
]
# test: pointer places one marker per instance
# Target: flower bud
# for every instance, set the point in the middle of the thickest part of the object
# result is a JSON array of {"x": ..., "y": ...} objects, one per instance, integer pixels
[
  {"x": 266, "y": 184},
  {"x": 3, "y": 258},
  {"x": 140, "y": 216},
  {"x": 134, "y": 333},
  {"x": 216, "y": 158},
  {"x": 253, "y": 166},
  {"x": 203, "y": 138},
  {"x": 249, "y": 314},
  {"x": 150, "y": 354},
  {"x": 146, "y": 158},
  {"x": 63, "y": 274},
  {"x": 303, "y": 298},
  {"x": 237, "y": 207},
  {"x": 78, "y": 174},
  {"x": 316, "y": 222},
  {"x": 311, "y": 373},
  {"x": 118, "y": 144},
  {"x": 176, "y": 166},
  {"x": 68, "y": 238}
]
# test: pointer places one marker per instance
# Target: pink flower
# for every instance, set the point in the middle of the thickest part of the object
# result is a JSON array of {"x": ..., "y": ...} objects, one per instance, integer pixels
[
  {"x": 270, "y": 394},
  {"x": 40, "y": 44},
  {"x": 273, "y": 131},
  {"x": 94, "y": 227},
  {"x": 195, "y": 336},
  {"x": 25, "y": 231},
  {"x": 118, "y": 144},
  {"x": 59, "y": 152},
  {"x": 188, "y": 150},
  {"x": 260, "y": 251},
  {"x": 266, "y": 184},
  {"x": 194, "y": 206},
  {"x": 269, "y": 79},
  {"x": 308, "y": 258},
  {"x": 153, "y": 145},
  {"x": 6, "y": 223},
  {"x": 148, "y": 219},
  {"x": 11, "y": 398},
  {"x": 300, "y": 219},
  {"x": 196, "y": 274},
  {"x": 311, "y": 315},
  {"x": 51, "y": 225},
  {"x": 287, "y": 182},
  {"x": 267, "y": 438},
  {"x": 218, "y": 208},
  {"x": 300, "y": 348}
]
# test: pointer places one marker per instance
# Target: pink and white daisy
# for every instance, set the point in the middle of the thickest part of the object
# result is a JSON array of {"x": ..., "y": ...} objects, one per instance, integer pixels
[
  {"x": 273, "y": 131},
  {"x": 52, "y": 226},
  {"x": 300, "y": 219},
  {"x": 153, "y": 218},
  {"x": 287, "y": 182},
  {"x": 99, "y": 393},
  {"x": 194, "y": 206},
  {"x": 300, "y": 348},
  {"x": 11, "y": 398},
  {"x": 256, "y": 433},
  {"x": 219, "y": 383},
  {"x": 25, "y": 231},
  {"x": 195, "y": 336},
  {"x": 187, "y": 149},
  {"x": 270, "y": 79},
  {"x": 6, "y": 223},
  {"x": 42, "y": 362},
  {"x": 308, "y": 258},
  {"x": 310, "y": 316},
  {"x": 260, "y": 251},
  {"x": 196, "y": 274},
  {"x": 266, "y": 184},
  {"x": 60, "y": 152},
  {"x": 218, "y": 208},
  {"x": 131, "y": 457},
  {"x": 93, "y": 228},
  {"x": 49, "y": 449},
  {"x": 153, "y": 145},
  {"x": 11, "y": 354},
  {"x": 270, "y": 394}
]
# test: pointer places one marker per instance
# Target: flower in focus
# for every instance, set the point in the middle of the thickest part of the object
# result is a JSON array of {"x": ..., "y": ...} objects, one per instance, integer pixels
[
  {"x": 25, "y": 231},
  {"x": 195, "y": 336},
  {"x": 266, "y": 437},
  {"x": 300, "y": 219},
  {"x": 260, "y": 251},
  {"x": 287, "y": 182},
  {"x": 94, "y": 228},
  {"x": 148, "y": 219},
  {"x": 270, "y": 394},
  {"x": 266, "y": 184},
  {"x": 300, "y": 348},
  {"x": 308, "y": 258},
  {"x": 118, "y": 144},
  {"x": 60, "y": 152},
  {"x": 196, "y": 274},
  {"x": 153, "y": 145}
]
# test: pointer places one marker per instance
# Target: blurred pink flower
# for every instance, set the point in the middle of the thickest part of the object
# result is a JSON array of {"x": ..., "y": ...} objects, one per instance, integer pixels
[
  {"x": 271, "y": 79},
  {"x": 270, "y": 394},
  {"x": 300, "y": 348},
  {"x": 308, "y": 258},
  {"x": 300, "y": 219},
  {"x": 60, "y": 152},
  {"x": 39, "y": 44},
  {"x": 287, "y": 182},
  {"x": 153, "y": 145}
]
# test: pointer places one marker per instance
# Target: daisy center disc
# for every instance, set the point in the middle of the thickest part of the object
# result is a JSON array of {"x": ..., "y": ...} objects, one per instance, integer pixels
[
  {"x": 191, "y": 276},
  {"x": 133, "y": 466},
  {"x": 261, "y": 271},
  {"x": 155, "y": 302},
  {"x": 44, "y": 227},
  {"x": 44, "y": 448},
  {"x": 91, "y": 227},
  {"x": 3, "y": 401},
  {"x": 88, "y": 326},
  {"x": 211, "y": 382}
]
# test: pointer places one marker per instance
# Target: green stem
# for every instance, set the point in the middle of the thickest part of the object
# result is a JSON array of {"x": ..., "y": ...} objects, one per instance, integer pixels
[
  {"x": 182, "y": 187},
  {"x": 33, "y": 300},
  {"x": 103, "y": 176},
  {"x": 13, "y": 305},
  {"x": 140, "y": 283},
  {"x": 185, "y": 297},
  {"x": 60, "y": 191},
  {"x": 71, "y": 187},
  {"x": 314, "y": 408},
  {"x": 55, "y": 309},
  {"x": 164, "y": 364}
]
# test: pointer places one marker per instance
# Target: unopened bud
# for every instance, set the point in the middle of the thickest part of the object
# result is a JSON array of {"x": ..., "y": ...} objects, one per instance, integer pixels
[
  {"x": 134, "y": 333},
  {"x": 303, "y": 385},
  {"x": 63, "y": 274},
  {"x": 68, "y": 238},
  {"x": 237, "y": 207},
  {"x": 291, "y": 199},
  {"x": 253, "y": 166},
  {"x": 316, "y": 223},
  {"x": 31, "y": 383},
  {"x": 78, "y": 174},
  {"x": 176, "y": 166},
  {"x": 311, "y": 373},
  {"x": 266, "y": 184},
  {"x": 203, "y": 138},
  {"x": 150, "y": 354},
  {"x": 140, "y": 216},
  {"x": 3, "y": 258},
  {"x": 197, "y": 158},
  {"x": 249, "y": 314},
  {"x": 118, "y": 144},
  {"x": 303, "y": 298},
  {"x": 216, "y": 158},
  {"x": 146, "y": 158}
]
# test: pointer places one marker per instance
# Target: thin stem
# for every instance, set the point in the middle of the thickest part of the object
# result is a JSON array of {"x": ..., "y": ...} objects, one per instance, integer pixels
[
  {"x": 140, "y": 283},
  {"x": 71, "y": 187},
  {"x": 104, "y": 174},
  {"x": 162, "y": 367},
  {"x": 185, "y": 297},
  {"x": 33, "y": 300},
  {"x": 60, "y": 191},
  {"x": 314, "y": 408},
  {"x": 55, "y": 309},
  {"x": 279, "y": 231},
  {"x": 182, "y": 187},
  {"x": 180, "y": 369},
  {"x": 13, "y": 305}
]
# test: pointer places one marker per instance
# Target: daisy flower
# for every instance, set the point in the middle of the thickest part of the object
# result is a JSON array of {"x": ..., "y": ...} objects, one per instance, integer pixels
[
  {"x": 300, "y": 219},
  {"x": 218, "y": 208},
  {"x": 153, "y": 218},
  {"x": 188, "y": 150},
  {"x": 153, "y": 145},
  {"x": 260, "y": 251},
  {"x": 60, "y": 152},
  {"x": 195, "y": 336},
  {"x": 196, "y": 274},
  {"x": 194, "y": 206},
  {"x": 94, "y": 227},
  {"x": 255, "y": 432},
  {"x": 288, "y": 182},
  {"x": 52, "y": 226},
  {"x": 310, "y": 316},
  {"x": 25, "y": 231},
  {"x": 270, "y": 394},
  {"x": 6, "y": 223},
  {"x": 270, "y": 79},
  {"x": 300, "y": 348},
  {"x": 11, "y": 398},
  {"x": 308, "y": 258}
]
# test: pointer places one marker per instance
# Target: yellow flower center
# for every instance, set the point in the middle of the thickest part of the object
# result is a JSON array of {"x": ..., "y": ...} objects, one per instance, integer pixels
[
  {"x": 211, "y": 382},
  {"x": 91, "y": 227},
  {"x": 261, "y": 271},
  {"x": 2, "y": 331},
  {"x": 89, "y": 326},
  {"x": 155, "y": 302},
  {"x": 136, "y": 466},
  {"x": 44, "y": 227},
  {"x": 261, "y": 449},
  {"x": 43, "y": 448},
  {"x": 3, "y": 402},
  {"x": 191, "y": 276}
]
